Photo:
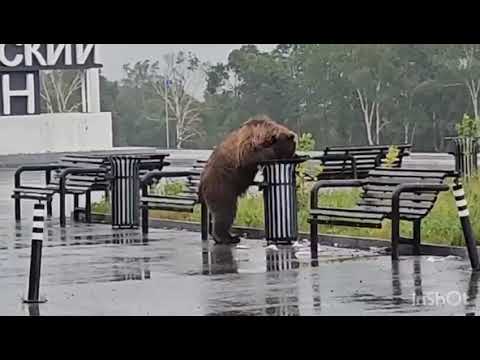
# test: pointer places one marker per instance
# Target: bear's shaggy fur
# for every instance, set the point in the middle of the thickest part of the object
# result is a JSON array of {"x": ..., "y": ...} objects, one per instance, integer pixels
[{"x": 232, "y": 167}]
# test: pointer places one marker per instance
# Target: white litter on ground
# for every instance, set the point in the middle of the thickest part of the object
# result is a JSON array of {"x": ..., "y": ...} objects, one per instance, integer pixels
[
  {"x": 435, "y": 259},
  {"x": 453, "y": 257},
  {"x": 302, "y": 255}
]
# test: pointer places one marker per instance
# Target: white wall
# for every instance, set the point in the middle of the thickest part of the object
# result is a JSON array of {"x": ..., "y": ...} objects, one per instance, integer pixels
[{"x": 55, "y": 133}]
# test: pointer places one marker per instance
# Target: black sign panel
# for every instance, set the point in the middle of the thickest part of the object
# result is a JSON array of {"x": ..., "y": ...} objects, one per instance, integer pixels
[
  {"x": 20, "y": 66},
  {"x": 28, "y": 57}
]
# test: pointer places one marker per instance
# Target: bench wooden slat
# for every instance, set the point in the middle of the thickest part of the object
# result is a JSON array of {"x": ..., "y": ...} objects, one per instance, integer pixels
[
  {"x": 167, "y": 200},
  {"x": 397, "y": 181},
  {"x": 33, "y": 190},
  {"x": 412, "y": 173},
  {"x": 80, "y": 189},
  {"x": 345, "y": 222},
  {"x": 388, "y": 210},
  {"x": 350, "y": 213},
  {"x": 31, "y": 196},
  {"x": 367, "y": 147},
  {"x": 403, "y": 203},
  {"x": 403, "y": 196},
  {"x": 390, "y": 189}
]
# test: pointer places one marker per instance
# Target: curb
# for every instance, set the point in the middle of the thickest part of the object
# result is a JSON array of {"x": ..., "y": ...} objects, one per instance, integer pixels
[{"x": 342, "y": 241}]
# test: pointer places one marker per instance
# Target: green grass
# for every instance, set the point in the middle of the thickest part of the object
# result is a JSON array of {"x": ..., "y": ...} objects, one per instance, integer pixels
[{"x": 441, "y": 226}]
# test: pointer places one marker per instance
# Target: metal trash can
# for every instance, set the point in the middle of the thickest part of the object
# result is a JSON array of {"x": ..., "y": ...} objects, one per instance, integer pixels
[
  {"x": 465, "y": 152},
  {"x": 125, "y": 197},
  {"x": 280, "y": 200}
]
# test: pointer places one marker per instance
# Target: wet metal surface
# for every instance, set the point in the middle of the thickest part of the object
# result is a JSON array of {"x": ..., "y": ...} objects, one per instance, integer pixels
[{"x": 94, "y": 270}]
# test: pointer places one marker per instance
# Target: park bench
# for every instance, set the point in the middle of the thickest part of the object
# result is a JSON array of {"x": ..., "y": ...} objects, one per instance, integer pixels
[
  {"x": 354, "y": 162},
  {"x": 183, "y": 202},
  {"x": 76, "y": 175},
  {"x": 390, "y": 193}
]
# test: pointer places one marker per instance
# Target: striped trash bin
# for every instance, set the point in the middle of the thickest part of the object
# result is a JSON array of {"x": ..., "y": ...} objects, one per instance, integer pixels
[
  {"x": 280, "y": 200},
  {"x": 125, "y": 197},
  {"x": 465, "y": 152}
]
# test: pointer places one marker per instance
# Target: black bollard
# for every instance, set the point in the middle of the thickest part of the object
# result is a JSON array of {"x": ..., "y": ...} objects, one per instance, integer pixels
[
  {"x": 280, "y": 200},
  {"x": 468, "y": 234},
  {"x": 36, "y": 255}
]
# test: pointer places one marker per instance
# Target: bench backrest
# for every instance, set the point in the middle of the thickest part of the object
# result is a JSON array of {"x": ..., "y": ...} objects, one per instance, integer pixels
[
  {"x": 381, "y": 182},
  {"x": 94, "y": 181},
  {"x": 366, "y": 157}
]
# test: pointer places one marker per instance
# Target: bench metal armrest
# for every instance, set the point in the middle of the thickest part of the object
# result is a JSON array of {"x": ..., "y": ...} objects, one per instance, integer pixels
[
  {"x": 395, "y": 216},
  {"x": 339, "y": 157},
  {"x": 413, "y": 187},
  {"x": 330, "y": 184},
  {"x": 28, "y": 168},
  {"x": 166, "y": 174}
]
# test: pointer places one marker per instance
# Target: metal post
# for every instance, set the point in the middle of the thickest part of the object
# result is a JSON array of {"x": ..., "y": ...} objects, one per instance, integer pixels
[
  {"x": 75, "y": 207},
  {"x": 417, "y": 236},
  {"x": 18, "y": 206},
  {"x": 468, "y": 234},
  {"x": 166, "y": 114},
  {"x": 48, "y": 179},
  {"x": 314, "y": 241},
  {"x": 36, "y": 255},
  {"x": 88, "y": 207},
  {"x": 144, "y": 210},
  {"x": 204, "y": 221}
]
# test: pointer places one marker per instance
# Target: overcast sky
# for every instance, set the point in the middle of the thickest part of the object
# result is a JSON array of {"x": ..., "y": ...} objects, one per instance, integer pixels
[{"x": 113, "y": 56}]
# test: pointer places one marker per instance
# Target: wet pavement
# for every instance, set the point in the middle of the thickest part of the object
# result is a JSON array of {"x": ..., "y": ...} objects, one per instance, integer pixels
[{"x": 94, "y": 270}]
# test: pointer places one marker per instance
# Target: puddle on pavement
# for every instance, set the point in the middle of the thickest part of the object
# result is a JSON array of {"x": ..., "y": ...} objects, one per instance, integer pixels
[{"x": 245, "y": 280}]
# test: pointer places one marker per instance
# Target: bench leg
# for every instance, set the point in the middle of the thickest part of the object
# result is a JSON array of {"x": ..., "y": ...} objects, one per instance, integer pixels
[
  {"x": 62, "y": 209},
  {"x": 205, "y": 222},
  {"x": 145, "y": 218},
  {"x": 18, "y": 209},
  {"x": 417, "y": 225},
  {"x": 49, "y": 207},
  {"x": 75, "y": 206},
  {"x": 314, "y": 242},
  {"x": 210, "y": 223},
  {"x": 88, "y": 207},
  {"x": 395, "y": 236}
]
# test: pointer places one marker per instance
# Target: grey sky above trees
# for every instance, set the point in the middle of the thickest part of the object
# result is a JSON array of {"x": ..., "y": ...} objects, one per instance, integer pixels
[{"x": 114, "y": 56}]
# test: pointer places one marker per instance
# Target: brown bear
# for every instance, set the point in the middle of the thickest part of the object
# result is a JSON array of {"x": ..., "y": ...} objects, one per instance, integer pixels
[{"x": 232, "y": 167}]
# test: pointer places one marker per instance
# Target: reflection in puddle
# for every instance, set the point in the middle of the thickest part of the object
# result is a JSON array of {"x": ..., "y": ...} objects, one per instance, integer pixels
[
  {"x": 127, "y": 268},
  {"x": 282, "y": 302},
  {"x": 33, "y": 309},
  {"x": 281, "y": 259},
  {"x": 472, "y": 294},
  {"x": 219, "y": 259}
]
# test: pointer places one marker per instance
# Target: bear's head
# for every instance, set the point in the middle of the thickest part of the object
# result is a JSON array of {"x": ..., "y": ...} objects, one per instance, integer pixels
[{"x": 264, "y": 139}]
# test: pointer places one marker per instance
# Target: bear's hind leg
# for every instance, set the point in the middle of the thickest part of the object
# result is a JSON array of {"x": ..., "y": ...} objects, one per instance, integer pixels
[{"x": 222, "y": 223}]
